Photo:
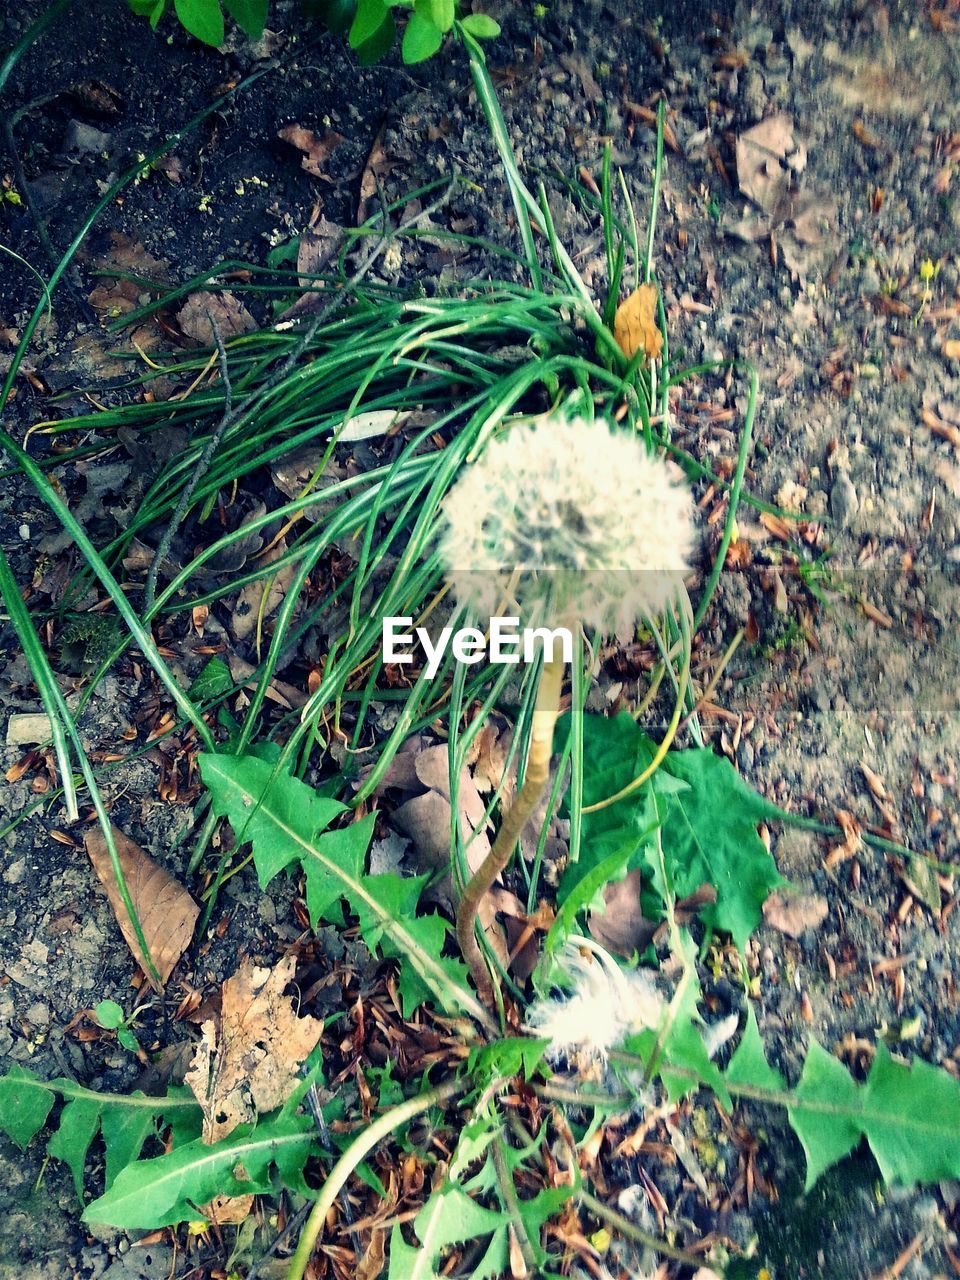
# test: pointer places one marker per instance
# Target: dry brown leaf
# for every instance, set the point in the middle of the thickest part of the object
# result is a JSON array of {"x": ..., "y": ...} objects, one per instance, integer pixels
[
  {"x": 635, "y": 324},
  {"x": 795, "y": 913},
  {"x": 316, "y": 150},
  {"x": 225, "y": 310},
  {"x": 225, "y": 1211},
  {"x": 165, "y": 910},
  {"x": 250, "y": 607},
  {"x": 622, "y": 928},
  {"x": 577, "y": 65},
  {"x": 760, "y": 153},
  {"x": 246, "y": 1062},
  {"x": 378, "y": 165},
  {"x": 372, "y": 1262}
]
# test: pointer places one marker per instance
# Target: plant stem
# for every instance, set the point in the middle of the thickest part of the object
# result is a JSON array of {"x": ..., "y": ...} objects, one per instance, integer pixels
[
  {"x": 545, "y": 714},
  {"x": 341, "y": 1171},
  {"x": 633, "y": 1232},
  {"x": 512, "y": 1202}
]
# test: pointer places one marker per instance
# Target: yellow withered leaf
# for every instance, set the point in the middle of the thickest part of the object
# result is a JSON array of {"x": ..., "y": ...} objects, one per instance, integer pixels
[{"x": 635, "y": 324}]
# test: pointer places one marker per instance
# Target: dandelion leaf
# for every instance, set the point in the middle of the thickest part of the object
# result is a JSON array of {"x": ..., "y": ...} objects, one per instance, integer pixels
[
  {"x": 79, "y": 1123},
  {"x": 166, "y": 1190},
  {"x": 450, "y": 1216},
  {"x": 911, "y": 1116},
  {"x": 707, "y": 814},
  {"x": 615, "y": 752},
  {"x": 709, "y": 833},
  {"x": 825, "y": 1111},
  {"x": 124, "y": 1121},
  {"x": 283, "y": 818},
  {"x": 749, "y": 1062},
  {"x": 25, "y": 1103}
]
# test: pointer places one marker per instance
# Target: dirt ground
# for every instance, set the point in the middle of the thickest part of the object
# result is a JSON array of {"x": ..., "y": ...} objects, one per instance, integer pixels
[{"x": 844, "y": 695}]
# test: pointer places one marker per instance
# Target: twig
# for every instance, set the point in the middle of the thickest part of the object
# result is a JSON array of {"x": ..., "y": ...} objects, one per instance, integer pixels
[
  {"x": 512, "y": 1202},
  {"x": 633, "y": 1232},
  {"x": 199, "y": 471},
  {"x": 293, "y": 1225}
]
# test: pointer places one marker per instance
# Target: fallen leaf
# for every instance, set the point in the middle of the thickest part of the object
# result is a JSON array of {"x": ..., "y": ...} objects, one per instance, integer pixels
[
  {"x": 635, "y": 324},
  {"x": 378, "y": 165},
  {"x": 371, "y": 1263},
  {"x": 795, "y": 913},
  {"x": 761, "y": 151},
  {"x": 225, "y": 1211},
  {"x": 316, "y": 150},
  {"x": 246, "y": 1062},
  {"x": 921, "y": 879},
  {"x": 166, "y": 912},
  {"x": 577, "y": 65},
  {"x": 622, "y": 927},
  {"x": 203, "y": 310},
  {"x": 250, "y": 608}
]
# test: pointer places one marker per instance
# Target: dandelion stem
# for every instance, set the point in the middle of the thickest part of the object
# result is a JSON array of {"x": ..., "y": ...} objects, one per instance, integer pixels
[{"x": 538, "y": 770}]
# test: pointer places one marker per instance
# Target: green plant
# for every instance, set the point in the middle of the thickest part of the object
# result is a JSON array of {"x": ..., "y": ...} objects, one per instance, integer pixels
[
  {"x": 204, "y": 18},
  {"x": 681, "y": 818},
  {"x": 370, "y": 24},
  {"x": 111, "y": 1017}
]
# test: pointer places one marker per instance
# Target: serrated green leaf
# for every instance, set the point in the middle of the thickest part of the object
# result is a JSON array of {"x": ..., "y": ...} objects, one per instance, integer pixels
[
  {"x": 678, "y": 1042},
  {"x": 707, "y": 814},
  {"x": 495, "y": 1260},
  {"x": 170, "y": 1188},
  {"x": 79, "y": 1122},
  {"x": 281, "y": 816},
  {"x": 507, "y": 1057},
  {"x": 911, "y": 1116},
  {"x": 480, "y": 26},
  {"x": 202, "y": 18},
  {"x": 240, "y": 785},
  {"x": 25, "y": 1103},
  {"x": 124, "y": 1131},
  {"x": 749, "y": 1065},
  {"x": 450, "y": 1216},
  {"x": 538, "y": 1210},
  {"x": 474, "y": 1139},
  {"x": 710, "y": 835},
  {"x": 406, "y": 1262},
  {"x": 125, "y": 1121},
  {"x": 825, "y": 1111},
  {"x": 250, "y": 15},
  {"x": 421, "y": 40}
]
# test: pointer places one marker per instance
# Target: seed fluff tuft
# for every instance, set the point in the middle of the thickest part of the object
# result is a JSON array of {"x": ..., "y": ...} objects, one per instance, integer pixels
[{"x": 568, "y": 517}]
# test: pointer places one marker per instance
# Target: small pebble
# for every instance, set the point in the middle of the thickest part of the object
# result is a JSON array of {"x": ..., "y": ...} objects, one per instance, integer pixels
[{"x": 844, "y": 503}]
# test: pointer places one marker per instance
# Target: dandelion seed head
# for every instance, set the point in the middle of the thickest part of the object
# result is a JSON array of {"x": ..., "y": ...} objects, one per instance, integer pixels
[
  {"x": 604, "y": 1006},
  {"x": 566, "y": 516}
]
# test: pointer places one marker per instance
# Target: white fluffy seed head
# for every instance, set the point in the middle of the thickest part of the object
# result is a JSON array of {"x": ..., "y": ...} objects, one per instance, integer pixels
[
  {"x": 566, "y": 517},
  {"x": 604, "y": 1006}
]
